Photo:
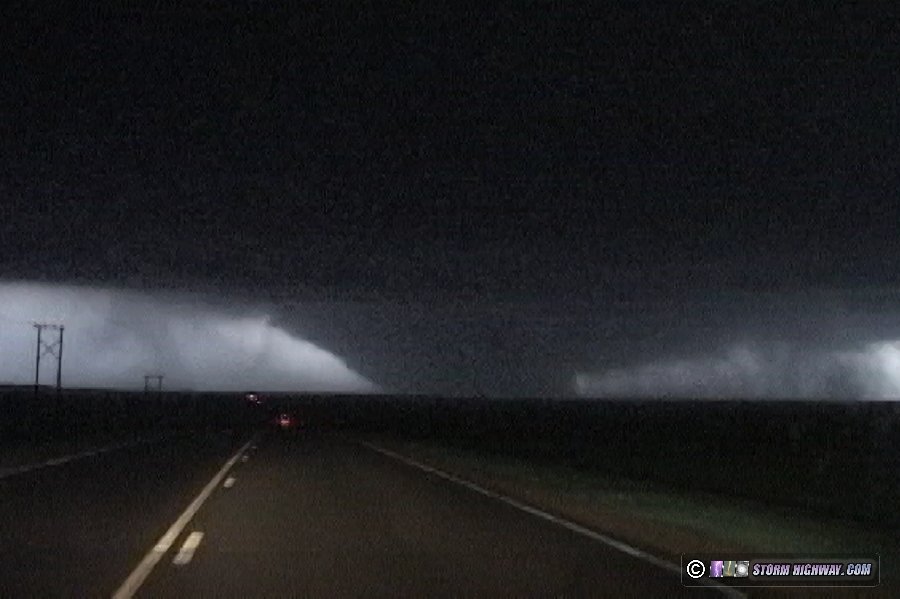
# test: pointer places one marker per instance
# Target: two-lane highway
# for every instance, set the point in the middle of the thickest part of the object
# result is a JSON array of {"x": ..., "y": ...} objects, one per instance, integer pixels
[
  {"x": 77, "y": 528},
  {"x": 290, "y": 515},
  {"x": 321, "y": 517}
]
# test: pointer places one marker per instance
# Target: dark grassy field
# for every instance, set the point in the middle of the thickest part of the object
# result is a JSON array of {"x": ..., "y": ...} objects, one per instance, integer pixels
[
  {"x": 88, "y": 416},
  {"x": 833, "y": 458}
]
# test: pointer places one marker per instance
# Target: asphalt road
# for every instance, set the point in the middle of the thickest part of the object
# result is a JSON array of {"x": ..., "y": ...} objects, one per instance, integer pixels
[
  {"x": 78, "y": 528},
  {"x": 305, "y": 516},
  {"x": 313, "y": 516}
]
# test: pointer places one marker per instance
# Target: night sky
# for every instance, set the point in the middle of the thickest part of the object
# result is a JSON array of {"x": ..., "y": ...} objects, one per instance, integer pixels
[{"x": 473, "y": 200}]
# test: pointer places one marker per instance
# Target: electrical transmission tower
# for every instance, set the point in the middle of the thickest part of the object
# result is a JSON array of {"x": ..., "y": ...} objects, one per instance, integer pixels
[
  {"x": 153, "y": 377},
  {"x": 54, "y": 349}
]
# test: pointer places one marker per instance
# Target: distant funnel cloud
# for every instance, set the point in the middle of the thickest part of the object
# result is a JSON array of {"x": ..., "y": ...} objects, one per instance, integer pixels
[
  {"x": 757, "y": 371},
  {"x": 113, "y": 338}
]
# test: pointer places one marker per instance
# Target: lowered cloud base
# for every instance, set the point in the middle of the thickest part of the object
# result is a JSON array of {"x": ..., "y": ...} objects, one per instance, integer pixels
[
  {"x": 776, "y": 370},
  {"x": 114, "y": 337}
]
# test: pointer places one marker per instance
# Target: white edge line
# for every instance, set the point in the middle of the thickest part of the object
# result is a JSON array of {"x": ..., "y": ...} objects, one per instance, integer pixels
[
  {"x": 143, "y": 569},
  {"x": 577, "y": 528}
]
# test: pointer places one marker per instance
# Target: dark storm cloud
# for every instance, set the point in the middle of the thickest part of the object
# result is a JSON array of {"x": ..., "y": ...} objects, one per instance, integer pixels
[
  {"x": 492, "y": 200},
  {"x": 807, "y": 344},
  {"x": 326, "y": 143},
  {"x": 835, "y": 343},
  {"x": 114, "y": 337}
]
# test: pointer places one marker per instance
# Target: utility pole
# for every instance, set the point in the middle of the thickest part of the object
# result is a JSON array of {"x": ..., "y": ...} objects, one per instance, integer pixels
[
  {"x": 59, "y": 361},
  {"x": 37, "y": 363},
  {"x": 55, "y": 349}
]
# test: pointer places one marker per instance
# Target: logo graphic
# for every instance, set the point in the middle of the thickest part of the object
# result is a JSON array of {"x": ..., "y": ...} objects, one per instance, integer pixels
[
  {"x": 695, "y": 568},
  {"x": 742, "y": 569},
  {"x": 715, "y": 568}
]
